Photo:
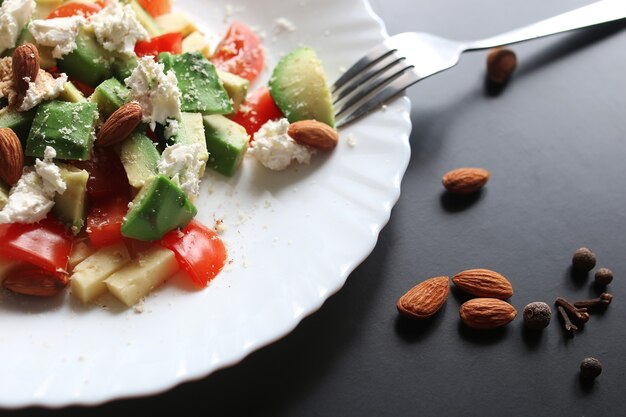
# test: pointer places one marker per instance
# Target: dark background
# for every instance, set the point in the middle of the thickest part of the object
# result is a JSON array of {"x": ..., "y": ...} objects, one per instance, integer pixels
[{"x": 554, "y": 140}]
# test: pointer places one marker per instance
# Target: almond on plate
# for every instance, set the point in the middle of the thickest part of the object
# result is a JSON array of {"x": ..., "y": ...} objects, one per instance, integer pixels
[
  {"x": 483, "y": 283},
  {"x": 35, "y": 282},
  {"x": 120, "y": 124},
  {"x": 425, "y": 299},
  {"x": 11, "y": 156},
  {"x": 25, "y": 68},
  {"x": 487, "y": 313},
  {"x": 315, "y": 134}
]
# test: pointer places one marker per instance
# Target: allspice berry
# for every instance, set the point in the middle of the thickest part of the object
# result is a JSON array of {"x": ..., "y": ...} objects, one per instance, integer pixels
[
  {"x": 590, "y": 368},
  {"x": 537, "y": 315},
  {"x": 501, "y": 63},
  {"x": 604, "y": 276},
  {"x": 584, "y": 260}
]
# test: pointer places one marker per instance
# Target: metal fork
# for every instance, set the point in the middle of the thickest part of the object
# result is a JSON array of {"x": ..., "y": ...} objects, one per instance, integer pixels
[{"x": 404, "y": 59}]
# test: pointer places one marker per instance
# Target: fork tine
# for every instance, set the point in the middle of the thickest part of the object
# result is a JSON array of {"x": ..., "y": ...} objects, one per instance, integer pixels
[
  {"x": 372, "y": 86},
  {"x": 370, "y": 58},
  {"x": 361, "y": 78},
  {"x": 397, "y": 86}
]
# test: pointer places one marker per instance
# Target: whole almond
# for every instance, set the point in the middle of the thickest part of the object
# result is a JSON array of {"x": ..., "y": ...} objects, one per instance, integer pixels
[
  {"x": 315, "y": 134},
  {"x": 501, "y": 63},
  {"x": 11, "y": 156},
  {"x": 120, "y": 124},
  {"x": 425, "y": 299},
  {"x": 483, "y": 283},
  {"x": 35, "y": 282},
  {"x": 25, "y": 68},
  {"x": 487, "y": 313},
  {"x": 465, "y": 180}
]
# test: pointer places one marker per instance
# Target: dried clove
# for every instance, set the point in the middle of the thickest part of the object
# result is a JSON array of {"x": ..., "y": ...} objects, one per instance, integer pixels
[
  {"x": 570, "y": 328},
  {"x": 603, "y": 301},
  {"x": 580, "y": 315}
]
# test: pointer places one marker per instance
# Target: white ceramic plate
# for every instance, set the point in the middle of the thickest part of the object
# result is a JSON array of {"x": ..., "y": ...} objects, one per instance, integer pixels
[{"x": 293, "y": 238}]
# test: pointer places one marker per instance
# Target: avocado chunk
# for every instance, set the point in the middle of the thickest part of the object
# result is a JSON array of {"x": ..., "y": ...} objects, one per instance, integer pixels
[
  {"x": 89, "y": 63},
  {"x": 201, "y": 91},
  {"x": 191, "y": 131},
  {"x": 72, "y": 94},
  {"x": 227, "y": 143},
  {"x": 160, "y": 207},
  {"x": 19, "y": 122},
  {"x": 147, "y": 21},
  {"x": 69, "y": 207},
  {"x": 298, "y": 86},
  {"x": 110, "y": 95},
  {"x": 235, "y": 86},
  {"x": 139, "y": 156},
  {"x": 124, "y": 65},
  {"x": 67, "y": 127}
]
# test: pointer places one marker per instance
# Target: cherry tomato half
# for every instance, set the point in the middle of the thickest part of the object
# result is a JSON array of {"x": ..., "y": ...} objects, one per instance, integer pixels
[
  {"x": 240, "y": 52},
  {"x": 156, "y": 7},
  {"x": 74, "y": 8},
  {"x": 198, "y": 250},
  {"x": 104, "y": 222},
  {"x": 170, "y": 42},
  {"x": 46, "y": 244},
  {"x": 258, "y": 108}
]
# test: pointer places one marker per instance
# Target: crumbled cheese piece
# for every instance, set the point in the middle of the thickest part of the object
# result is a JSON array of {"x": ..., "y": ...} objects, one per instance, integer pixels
[
  {"x": 14, "y": 15},
  {"x": 32, "y": 198},
  {"x": 180, "y": 162},
  {"x": 46, "y": 87},
  {"x": 171, "y": 129},
  {"x": 156, "y": 92},
  {"x": 59, "y": 33},
  {"x": 117, "y": 28},
  {"x": 275, "y": 149},
  {"x": 351, "y": 140},
  {"x": 284, "y": 25}
]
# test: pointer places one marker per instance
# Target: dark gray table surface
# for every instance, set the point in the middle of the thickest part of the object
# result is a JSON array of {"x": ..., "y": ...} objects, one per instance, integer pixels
[{"x": 555, "y": 142}]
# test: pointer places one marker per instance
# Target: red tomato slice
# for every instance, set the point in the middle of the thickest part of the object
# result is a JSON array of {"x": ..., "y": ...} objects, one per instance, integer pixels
[
  {"x": 240, "y": 52},
  {"x": 87, "y": 90},
  {"x": 107, "y": 177},
  {"x": 170, "y": 42},
  {"x": 46, "y": 244},
  {"x": 198, "y": 250},
  {"x": 73, "y": 9},
  {"x": 104, "y": 222},
  {"x": 156, "y": 7},
  {"x": 258, "y": 108}
]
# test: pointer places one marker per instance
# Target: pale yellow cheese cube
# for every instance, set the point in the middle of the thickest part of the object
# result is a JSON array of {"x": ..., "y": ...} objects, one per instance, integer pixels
[
  {"x": 176, "y": 22},
  {"x": 142, "y": 275},
  {"x": 197, "y": 42},
  {"x": 80, "y": 251},
  {"x": 87, "y": 280}
]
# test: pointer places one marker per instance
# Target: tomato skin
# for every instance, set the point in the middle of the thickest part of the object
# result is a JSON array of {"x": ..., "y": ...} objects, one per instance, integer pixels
[
  {"x": 107, "y": 177},
  {"x": 156, "y": 7},
  {"x": 104, "y": 222},
  {"x": 198, "y": 250},
  {"x": 46, "y": 244},
  {"x": 240, "y": 52},
  {"x": 87, "y": 90},
  {"x": 170, "y": 42},
  {"x": 259, "y": 109},
  {"x": 73, "y": 9}
]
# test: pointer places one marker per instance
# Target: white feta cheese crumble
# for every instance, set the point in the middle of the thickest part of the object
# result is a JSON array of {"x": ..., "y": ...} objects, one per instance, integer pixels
[
  {"x": 46, "y": 87},
  {"x": 32, "y": 198},
  {"x": 284, "y": 25},
  {"x": 180, "y": 162},
  {"x": 156, "y": 92},
  {"x": 14, "y": 15},
  {"x": 275, "y": 149},
  {"x": 117, "y": 28},
  {"x": 59, "y": 33}
]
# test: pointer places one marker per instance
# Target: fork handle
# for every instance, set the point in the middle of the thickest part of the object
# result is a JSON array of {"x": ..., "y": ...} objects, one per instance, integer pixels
[{"x": 593, "y": 14}]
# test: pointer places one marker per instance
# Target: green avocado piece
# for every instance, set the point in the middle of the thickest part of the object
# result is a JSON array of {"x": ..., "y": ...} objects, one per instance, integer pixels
[
  {"x": 147, "y": 21},
  {"x": 110, "y": 95},
  {"x": 160, "y": 207},
  {"x": 124, "y": 65},
  {"x": 89, "y": 63},
  {"x": 69, "y": 207},
  {"x": 19, "y": 122},
  {"x": 139, "y": 157},
  {"x": 72, "y": 94},
  {"x": 235, "y": 86},
  {"x": 227, "y": 143},
  {"x": 67, "y": 127},
  {"x": 201, "y": 90},
  {"x": 299, "y": 88}
]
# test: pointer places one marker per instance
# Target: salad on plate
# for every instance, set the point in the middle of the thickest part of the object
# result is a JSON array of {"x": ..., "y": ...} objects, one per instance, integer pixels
[{"x": 110, "y": 112}]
